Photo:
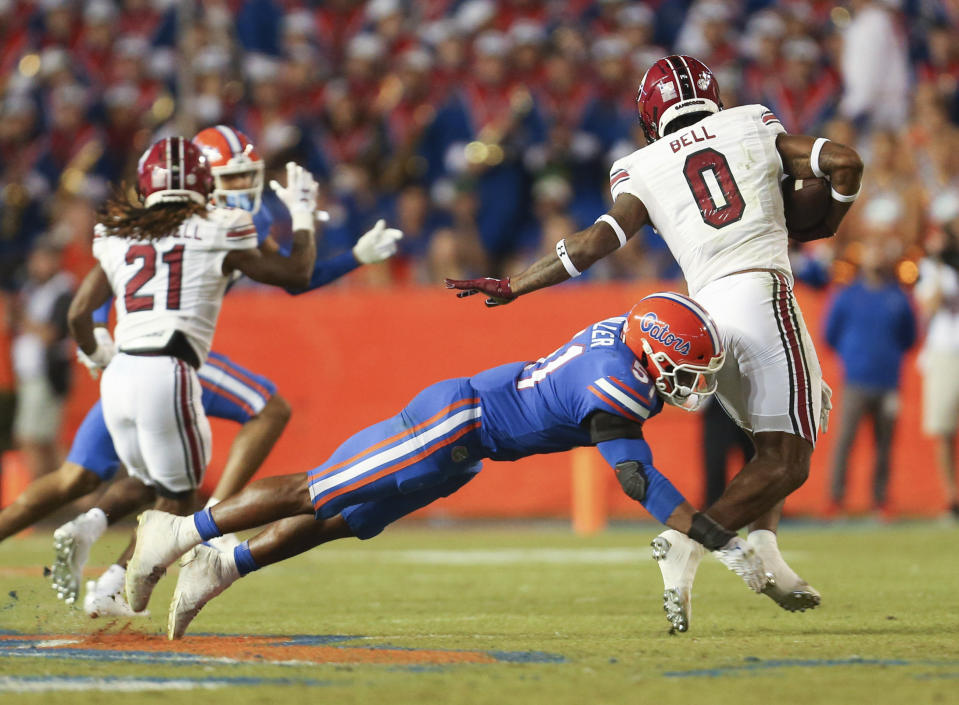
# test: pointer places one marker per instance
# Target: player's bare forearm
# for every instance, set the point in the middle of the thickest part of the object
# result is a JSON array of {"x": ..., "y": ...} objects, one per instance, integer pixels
[
  {"x": 268, "y": 265},
  {"x": 840, "y": 164},
  {"x": 844, "y": 167},
  {"x": 574, "y": 255},
  {"x": 544, "y": 272},
  {"x": 299, "y": 263},
  {"x": 93, "y": 292},
  {"x": 586, "y": 247},
  {"x": 303, "y": 254}
]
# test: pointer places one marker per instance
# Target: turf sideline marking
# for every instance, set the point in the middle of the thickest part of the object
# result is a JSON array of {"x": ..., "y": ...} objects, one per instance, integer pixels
[
  {"x": 297, "y": 650},
  {"x": 755, "y": 664},
  {"x": 501, "y": 556},
  {"x": 505, "y": 556},
  {"x": 49, "y": 684}
]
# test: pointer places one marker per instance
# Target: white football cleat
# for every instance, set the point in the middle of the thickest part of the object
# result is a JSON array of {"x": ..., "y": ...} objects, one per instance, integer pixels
[
  {"x": 161, "y": 539},
  {"x": 204, "y": 573},
  {"x": 97, "y": 604},
  {"x": 783, "y": 585},
  {"x": 71, "y": 545},
  {"x": 744, "y": 561},
  {"x": 678, "y": 557}
]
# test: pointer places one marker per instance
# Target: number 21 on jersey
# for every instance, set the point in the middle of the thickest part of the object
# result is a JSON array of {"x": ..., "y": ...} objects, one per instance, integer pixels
[{"x": 147, "y": 255}]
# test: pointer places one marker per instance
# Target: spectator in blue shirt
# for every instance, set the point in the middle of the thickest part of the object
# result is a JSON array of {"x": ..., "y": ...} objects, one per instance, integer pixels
[{"x": 871, "y": 325}]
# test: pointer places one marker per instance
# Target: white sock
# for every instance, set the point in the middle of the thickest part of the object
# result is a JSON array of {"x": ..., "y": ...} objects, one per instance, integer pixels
[
  {"x": 97, "y": 521},
  {"x": 111, "y": 582},
  {"x": 187, "y": 535},
  {"x": 766, "y": 545},
  {"x": 233, "y": 570},
  {"x": 761, "y": 538},
  {"x": 225, "y": 543}
]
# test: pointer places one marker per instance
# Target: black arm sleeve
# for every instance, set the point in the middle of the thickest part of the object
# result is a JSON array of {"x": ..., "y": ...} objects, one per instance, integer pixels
[{"x": 604, "y": 426}]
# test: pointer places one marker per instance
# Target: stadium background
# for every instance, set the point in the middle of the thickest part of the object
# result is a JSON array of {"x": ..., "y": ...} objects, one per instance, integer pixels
[{"x": 485, "y": 131}]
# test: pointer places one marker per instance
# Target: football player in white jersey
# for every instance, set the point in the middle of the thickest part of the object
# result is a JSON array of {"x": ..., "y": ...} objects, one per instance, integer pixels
[
  {"x": 709, "y": 182},
  {"x": 168, "y": 261},
  {"x": 229, "y": 392}
]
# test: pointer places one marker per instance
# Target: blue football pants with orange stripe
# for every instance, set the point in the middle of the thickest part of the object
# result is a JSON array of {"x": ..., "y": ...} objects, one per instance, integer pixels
[{"x": 427, "y": 451}]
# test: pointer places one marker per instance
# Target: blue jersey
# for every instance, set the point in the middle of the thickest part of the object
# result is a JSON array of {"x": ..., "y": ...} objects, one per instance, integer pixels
[
  {"x": 281, "y": 227},
  {"x": 541, "y": 407},
  {"x": 436, "y": 444}
]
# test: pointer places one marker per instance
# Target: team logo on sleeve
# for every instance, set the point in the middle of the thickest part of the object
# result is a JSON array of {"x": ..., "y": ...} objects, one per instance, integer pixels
[{"x": 658, "y": 330}]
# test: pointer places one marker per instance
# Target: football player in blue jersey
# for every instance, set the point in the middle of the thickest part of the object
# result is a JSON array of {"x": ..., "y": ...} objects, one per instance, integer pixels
[
  {"x": 229, "y": 392},
  {"x": 598, "y": 389}
]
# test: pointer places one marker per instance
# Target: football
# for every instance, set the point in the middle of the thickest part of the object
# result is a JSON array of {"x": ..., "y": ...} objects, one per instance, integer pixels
[{"x": 805, "y": 202}]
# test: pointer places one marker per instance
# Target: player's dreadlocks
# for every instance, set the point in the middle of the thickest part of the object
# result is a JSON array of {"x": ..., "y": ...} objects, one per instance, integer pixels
[{"x": 124, "y": 218}]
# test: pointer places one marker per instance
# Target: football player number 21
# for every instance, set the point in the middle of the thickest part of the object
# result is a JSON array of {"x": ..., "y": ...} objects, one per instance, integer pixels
[
  {"x": 147, "y": 254},
  {"x": 710, "y": 179}
]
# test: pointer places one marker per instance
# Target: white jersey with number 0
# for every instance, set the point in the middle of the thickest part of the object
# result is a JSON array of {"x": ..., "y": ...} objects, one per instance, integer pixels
[
  {"x": 713, "y": 192},
  {"x": 175, "y": 283}
]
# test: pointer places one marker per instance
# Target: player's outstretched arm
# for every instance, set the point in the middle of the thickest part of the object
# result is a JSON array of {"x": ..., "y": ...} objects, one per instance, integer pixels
[
  {"x": 805, "y": 157},
  {"x": 574, "y": 255},
  {"x": 94, "y": 291},
  {"x": 377, "y": 244},
  {"x": 266, "y": 264},
  {"x": 632, "y": 461}
]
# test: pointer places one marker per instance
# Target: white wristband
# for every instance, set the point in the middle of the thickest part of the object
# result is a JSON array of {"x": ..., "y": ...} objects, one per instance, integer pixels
[
  {"x": 814, "y": 157},
  {"x": 611, "y": 222},
  {"x": 564, "y": 258},
  {"x": 303, "y": 220},
  {"x": 843, "y": 198}
]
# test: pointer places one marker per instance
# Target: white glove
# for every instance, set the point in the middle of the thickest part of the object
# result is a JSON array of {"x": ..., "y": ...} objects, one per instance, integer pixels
[
  {"x": 377, "y": 244},
  {"x": 101, "y": 357},
  {"x": 299, "y": 196},
  {"x": 826, "y": 407}
]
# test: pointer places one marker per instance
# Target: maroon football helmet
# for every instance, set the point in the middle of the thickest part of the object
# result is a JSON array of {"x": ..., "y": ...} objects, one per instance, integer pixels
[
  {"x": 673, "y": 86},
  {"x": 173, "y": 170}
]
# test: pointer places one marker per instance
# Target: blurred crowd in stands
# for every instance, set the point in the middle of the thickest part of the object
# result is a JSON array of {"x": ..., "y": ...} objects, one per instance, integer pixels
[{"x": 484, "y": 129}]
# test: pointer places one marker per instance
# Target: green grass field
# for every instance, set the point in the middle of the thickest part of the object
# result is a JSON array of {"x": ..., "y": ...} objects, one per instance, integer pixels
[{"x": 507, "y": 615}]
